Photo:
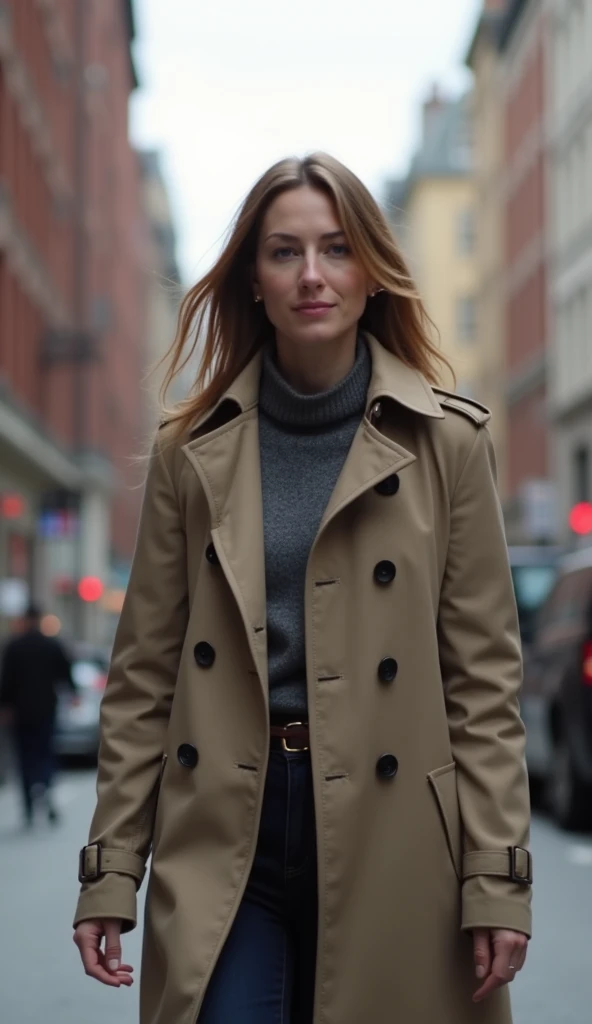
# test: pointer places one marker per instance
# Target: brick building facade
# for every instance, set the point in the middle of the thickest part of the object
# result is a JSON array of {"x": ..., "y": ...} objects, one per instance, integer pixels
[
  {"x": 72, "y": 296},
  {"x": 530, "y": 512}
]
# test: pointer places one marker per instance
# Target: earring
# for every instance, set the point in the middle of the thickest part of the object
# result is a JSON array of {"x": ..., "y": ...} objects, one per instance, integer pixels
[
  {"x": 375, "y": 292},
  {"x": 257, "y": 298}
]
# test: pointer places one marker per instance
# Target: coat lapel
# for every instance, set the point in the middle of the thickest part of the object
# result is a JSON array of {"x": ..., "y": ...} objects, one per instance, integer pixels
[
  {"x": 228, "y": 465},
  {"x": 373, "y": 456}
]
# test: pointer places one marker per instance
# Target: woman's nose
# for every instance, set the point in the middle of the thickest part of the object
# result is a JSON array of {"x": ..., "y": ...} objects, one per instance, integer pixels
[{"x": 310, "y": 275}]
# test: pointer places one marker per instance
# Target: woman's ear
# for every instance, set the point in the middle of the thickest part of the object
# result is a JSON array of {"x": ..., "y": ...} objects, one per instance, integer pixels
[{"x": 255, "y": 286}]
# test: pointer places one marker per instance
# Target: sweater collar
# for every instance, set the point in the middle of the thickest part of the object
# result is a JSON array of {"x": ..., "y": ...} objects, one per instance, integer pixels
[
  {"x": 280, "y": 402},
  {"x": 391, "y": 378}
]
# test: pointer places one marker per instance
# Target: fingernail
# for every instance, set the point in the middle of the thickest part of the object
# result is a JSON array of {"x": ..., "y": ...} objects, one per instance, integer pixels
[
  {"x": 113, "y": 965},
  {"x": 480, "y": 972}
]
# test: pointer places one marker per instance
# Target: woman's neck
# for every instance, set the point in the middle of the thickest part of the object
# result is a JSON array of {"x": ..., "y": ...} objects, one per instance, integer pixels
[{"x": 316, "y": 367}]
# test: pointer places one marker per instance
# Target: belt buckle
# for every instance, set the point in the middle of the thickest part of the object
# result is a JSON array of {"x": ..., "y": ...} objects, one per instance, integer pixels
[{"x": 292, "y": 750}]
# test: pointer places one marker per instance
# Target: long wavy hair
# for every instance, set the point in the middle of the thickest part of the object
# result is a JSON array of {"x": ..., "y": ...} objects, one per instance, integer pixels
[{"x": 220, "y": 312}]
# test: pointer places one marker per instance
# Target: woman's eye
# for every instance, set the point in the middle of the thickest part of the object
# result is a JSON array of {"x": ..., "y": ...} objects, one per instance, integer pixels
[
  {"x": 284, "y": 253},
  {"x": 339, "y": 249}
]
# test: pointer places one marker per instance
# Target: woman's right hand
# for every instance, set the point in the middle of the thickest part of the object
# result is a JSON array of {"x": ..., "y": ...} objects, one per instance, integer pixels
[{"x": 103, "y": 964}]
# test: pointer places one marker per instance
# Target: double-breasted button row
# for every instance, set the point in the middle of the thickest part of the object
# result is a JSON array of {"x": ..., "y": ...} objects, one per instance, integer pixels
[
  {"x": 204, "y": 654},
  {"x": 387, "y": 765}
]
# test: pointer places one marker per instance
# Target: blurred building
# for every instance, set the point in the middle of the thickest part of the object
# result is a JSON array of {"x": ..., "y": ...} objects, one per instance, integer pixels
[
  {"x": 488, "y": 151},
  {"x": 433, "y": 211},
  {"x": 570, "y": 78},
  {"x": 164, "y": 284},
  {"x": 72, "y": 303},
  {"x": 530, "y": 506}
]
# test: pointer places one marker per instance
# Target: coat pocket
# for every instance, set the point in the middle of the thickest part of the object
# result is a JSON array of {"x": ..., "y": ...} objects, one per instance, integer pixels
[{"x": 443, "y": 784}]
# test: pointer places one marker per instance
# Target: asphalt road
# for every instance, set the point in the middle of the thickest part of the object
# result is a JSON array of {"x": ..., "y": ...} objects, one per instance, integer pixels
[{"x": 41, "y": 981}]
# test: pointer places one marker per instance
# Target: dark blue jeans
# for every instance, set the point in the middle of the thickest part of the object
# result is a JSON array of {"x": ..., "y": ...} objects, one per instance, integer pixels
[{"x": 266, "y": 971}]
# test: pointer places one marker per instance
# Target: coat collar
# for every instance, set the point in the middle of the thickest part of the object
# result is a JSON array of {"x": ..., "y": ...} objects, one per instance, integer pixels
[{"x": 391, "y": 379}]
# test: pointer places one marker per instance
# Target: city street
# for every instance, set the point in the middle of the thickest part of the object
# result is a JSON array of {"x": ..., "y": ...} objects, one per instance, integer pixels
[{"x": 41, "y": 978}]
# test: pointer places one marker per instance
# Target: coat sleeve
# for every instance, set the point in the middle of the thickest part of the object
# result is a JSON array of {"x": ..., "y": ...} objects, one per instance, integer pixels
[
  {"x": 136, "y": 706},
  {"x": 482, "y": 672}
]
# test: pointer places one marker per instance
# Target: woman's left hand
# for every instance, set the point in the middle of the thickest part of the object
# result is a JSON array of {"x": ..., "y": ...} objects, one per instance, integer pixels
[{"x": 499, "y": 955}]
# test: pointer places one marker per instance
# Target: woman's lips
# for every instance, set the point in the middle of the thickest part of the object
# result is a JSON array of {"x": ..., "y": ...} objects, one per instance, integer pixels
[{"x": 315, "y": 310}]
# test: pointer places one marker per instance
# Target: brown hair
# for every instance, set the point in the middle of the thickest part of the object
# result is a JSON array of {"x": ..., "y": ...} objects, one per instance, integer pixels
[{"x": 220, "y": 307}]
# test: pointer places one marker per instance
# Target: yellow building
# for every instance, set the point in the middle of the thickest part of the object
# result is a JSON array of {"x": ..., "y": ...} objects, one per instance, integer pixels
[{"x": 434, "y": 215}]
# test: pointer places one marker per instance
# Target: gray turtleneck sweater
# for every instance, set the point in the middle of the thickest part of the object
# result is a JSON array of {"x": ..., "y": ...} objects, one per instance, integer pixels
[{"x": 304, "y": 440}]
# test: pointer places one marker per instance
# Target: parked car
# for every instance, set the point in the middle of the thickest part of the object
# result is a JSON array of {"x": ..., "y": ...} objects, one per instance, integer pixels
[
  {"x": 77, "y": 719},
  {"x": 534, "y": 570},
  {"x": 556, "y": 699}
]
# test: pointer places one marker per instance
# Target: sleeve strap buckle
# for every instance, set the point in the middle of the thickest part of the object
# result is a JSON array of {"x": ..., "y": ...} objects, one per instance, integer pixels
[
  {"x": 520, "y": 865},
  {"x": 89, "y": 864}
]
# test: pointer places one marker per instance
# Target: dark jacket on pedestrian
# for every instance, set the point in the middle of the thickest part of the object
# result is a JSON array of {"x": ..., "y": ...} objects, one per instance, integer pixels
[{"x": 33, "y": 668}]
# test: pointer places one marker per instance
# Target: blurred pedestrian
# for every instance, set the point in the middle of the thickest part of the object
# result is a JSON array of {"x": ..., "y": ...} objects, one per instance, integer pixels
[
  {"x": 34, "y": 666},
  {"x": 311, "y": 717}
]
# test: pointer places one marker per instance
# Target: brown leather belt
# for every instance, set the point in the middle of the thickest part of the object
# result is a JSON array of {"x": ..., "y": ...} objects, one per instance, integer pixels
[{"x": 290, "y": 737}]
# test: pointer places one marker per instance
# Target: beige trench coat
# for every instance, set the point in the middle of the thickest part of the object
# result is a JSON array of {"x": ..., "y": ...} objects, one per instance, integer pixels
[{"x": 407, "y": 864}]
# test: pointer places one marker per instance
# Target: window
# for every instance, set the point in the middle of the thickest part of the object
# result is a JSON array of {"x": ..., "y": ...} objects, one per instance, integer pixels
[
  {"x": 466, "y": 232},
  {"x": 466, "y": 318},
  {"x": 581, "y": 473}
]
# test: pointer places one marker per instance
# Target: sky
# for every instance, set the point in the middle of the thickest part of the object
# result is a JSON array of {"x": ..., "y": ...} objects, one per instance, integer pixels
[{"x": 227, "y": 87}]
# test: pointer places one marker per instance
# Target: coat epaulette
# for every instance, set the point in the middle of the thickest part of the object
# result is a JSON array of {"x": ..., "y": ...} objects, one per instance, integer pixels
[{"x": 476, "y": 412}]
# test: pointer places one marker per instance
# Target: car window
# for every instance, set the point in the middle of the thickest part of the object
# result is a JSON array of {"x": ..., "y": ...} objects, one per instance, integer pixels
[{"x": 532, "y": 585}]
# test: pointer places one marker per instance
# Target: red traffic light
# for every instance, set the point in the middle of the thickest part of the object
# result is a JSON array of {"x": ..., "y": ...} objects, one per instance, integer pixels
[
  {"x": 12, "y": 506},
  {"x": 90, "y": 588},
  {"x": 580, "y": 518}
]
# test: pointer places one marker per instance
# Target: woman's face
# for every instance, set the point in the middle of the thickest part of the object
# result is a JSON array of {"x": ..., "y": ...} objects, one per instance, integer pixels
[{"x": 313, "y": 288}]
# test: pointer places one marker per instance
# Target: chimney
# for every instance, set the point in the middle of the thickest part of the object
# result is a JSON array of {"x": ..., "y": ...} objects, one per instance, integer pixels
[{"x": 433, "y": 108}]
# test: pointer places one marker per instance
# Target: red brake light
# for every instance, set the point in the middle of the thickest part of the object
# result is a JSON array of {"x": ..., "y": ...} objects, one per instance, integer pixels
[{"x": 587, "y": 663}]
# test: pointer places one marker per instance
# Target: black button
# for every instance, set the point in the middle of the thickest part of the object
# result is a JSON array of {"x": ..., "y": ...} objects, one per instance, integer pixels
[
  {"x": 187, "y": 755},
  {"x": 204, "y": 654},
  {"x": 387, "y": 670},
  {"x": 387, "y": 766},
  {"x": 389, "y": 486},
  {"x": 211, "y": 555},
  {"x": 385, "y": 572}
]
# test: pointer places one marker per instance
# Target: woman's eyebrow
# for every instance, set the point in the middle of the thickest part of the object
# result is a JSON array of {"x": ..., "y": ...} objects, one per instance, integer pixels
[{"x": 294, "y": 238}]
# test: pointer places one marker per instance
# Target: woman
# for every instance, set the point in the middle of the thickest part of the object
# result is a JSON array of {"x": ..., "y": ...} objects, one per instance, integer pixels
[{"x": 311, "y": 717}]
